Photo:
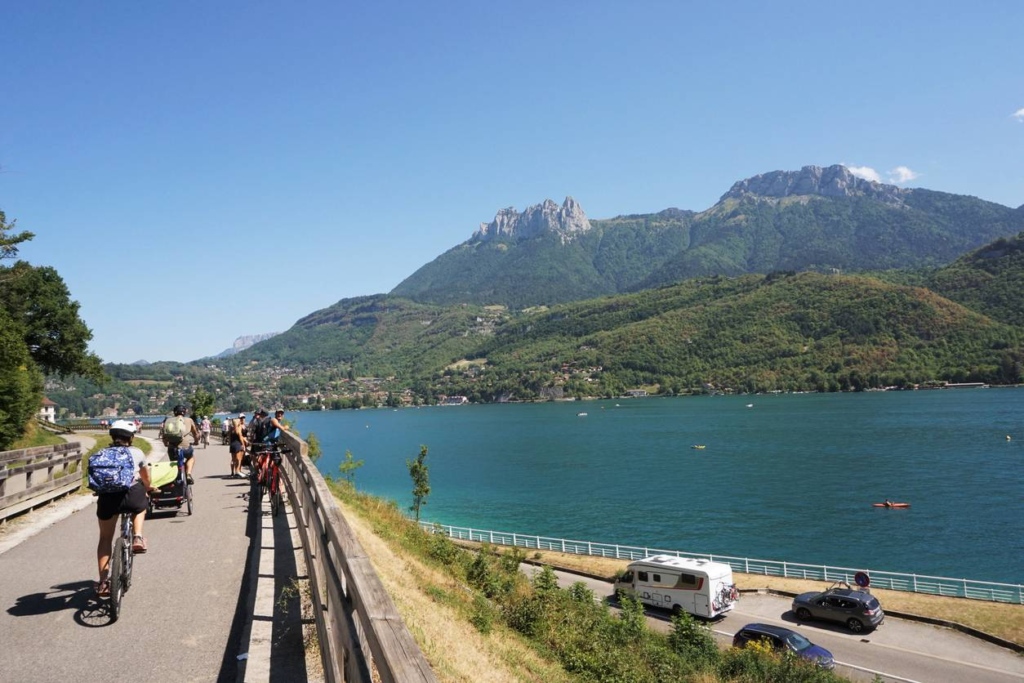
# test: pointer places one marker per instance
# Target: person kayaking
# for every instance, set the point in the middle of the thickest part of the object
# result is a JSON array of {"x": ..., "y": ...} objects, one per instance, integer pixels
[{"x": 888, "y": 503}]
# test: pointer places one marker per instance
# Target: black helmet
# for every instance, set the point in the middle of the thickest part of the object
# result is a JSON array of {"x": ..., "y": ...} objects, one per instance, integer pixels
[{"x": 179, "y": 409}]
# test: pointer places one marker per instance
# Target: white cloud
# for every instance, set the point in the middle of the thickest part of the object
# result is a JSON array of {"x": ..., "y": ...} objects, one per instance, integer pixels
[
  {"x": 865, "y": 172},
  {"x": 1019, "y": 115},
  {"x": 902, "y": 174}
]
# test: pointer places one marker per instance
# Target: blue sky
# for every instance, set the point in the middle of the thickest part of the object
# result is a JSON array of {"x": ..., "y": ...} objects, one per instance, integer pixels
[{"x": 196, "y": 171}]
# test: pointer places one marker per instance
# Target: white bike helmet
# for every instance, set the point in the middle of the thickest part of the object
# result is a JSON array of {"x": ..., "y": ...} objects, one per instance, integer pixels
[{"x": 122, "y": 426}]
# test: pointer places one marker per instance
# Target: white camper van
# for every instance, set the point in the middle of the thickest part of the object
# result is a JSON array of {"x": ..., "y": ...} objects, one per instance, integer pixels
[{"x": 700, "y": 587}]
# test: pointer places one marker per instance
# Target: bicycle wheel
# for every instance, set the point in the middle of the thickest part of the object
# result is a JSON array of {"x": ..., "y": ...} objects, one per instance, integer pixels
[
  {"x": 264, "y": 481},
  {"x": 116, "y": 578},
  {"x": 275, "y": 492},
  {"x": 188, "y": 497}
]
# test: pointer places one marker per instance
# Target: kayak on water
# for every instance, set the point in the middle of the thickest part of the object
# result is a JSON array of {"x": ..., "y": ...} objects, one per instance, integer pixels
[{"x": 891, "y": 505}]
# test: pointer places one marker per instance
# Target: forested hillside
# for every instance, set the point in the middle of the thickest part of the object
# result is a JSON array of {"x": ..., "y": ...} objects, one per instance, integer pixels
[
  {"x": 989, "y": 280},
  {"x": 784, "y": 331}
]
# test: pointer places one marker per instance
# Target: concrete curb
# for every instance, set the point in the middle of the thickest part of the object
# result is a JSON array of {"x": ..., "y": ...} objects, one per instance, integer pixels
[{"x": 251, "y": 586}]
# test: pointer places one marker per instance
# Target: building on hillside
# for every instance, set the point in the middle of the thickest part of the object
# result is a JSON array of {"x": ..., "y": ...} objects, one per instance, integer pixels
[{"x": 48, "y": 413}]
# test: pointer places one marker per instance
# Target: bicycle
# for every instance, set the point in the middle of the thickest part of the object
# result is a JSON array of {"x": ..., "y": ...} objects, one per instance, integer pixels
[
  {"x": 121, "y": 559},
  {"x": 267, "y": 474}
]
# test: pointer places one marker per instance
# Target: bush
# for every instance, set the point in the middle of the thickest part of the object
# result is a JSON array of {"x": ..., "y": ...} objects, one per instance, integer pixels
[{"x": 693, "y": 640}]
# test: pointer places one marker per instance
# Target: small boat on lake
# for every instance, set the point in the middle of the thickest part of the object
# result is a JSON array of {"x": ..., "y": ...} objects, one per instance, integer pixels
[
  {"x": 581, "y": 414},
  {"x": 890, "y": 504},
  {"x": 698, "y": 446}
]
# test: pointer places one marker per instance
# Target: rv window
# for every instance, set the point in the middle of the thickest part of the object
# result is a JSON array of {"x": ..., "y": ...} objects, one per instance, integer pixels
[
  {"x": 657, "y": 578},
  {"x": 642, "y": 576},
  {"x": 627, "y": 577},
  {"x": 687, "y": 581}
]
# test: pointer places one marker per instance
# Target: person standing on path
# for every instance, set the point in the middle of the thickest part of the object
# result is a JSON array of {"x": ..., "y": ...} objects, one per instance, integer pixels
[
  {"x": 238, "y": 445},
  {"x": 204, "y": 427},
  {"x": 180, "y": 431}
]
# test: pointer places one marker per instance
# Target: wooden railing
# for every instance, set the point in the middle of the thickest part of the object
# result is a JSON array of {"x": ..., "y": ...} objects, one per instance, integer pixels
[
  {"x": 362, "y": 636},
  {"x": 33, "y": 476}
]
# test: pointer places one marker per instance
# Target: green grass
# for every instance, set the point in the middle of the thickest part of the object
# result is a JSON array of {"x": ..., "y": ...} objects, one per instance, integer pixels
[{"x": 34, "y": 436}]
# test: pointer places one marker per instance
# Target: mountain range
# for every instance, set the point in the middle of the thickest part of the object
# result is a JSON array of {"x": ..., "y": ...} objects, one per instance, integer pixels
[
  {"x": 816, "y": 219},
  {"x": 814, "y": 279}
]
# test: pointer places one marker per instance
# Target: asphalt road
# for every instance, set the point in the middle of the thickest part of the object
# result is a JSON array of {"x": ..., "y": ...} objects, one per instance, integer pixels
[
  {"x": 898, "y": 650},
  {"x": 182, "y": 619}
]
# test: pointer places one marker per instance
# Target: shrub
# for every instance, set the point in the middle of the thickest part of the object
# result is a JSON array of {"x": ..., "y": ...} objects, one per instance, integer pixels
[{"x": 693, "y": 640}]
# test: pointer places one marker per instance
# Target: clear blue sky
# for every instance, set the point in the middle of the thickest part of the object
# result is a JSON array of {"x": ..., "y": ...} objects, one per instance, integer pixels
[{"x": 262, "y": 160}]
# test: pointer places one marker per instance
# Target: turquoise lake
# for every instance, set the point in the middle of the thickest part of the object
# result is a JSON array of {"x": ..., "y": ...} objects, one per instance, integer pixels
[{"x": 781, "y": 477}]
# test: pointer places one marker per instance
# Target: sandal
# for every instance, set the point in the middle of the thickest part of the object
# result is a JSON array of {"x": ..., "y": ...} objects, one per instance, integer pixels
[
  {"x": 103, "y": 588},
  {"x": 138, "y": 545}
]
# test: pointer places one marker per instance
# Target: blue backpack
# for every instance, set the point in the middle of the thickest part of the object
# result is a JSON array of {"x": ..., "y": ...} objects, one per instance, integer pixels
[{"x": 111, "y": 470}]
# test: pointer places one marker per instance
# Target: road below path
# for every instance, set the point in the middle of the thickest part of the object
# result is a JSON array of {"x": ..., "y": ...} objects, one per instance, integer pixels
[{"x": 899, "y": 650}]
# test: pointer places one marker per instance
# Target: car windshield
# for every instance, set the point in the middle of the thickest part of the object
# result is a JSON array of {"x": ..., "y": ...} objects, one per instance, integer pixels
[
  {"x": 873, "y": 603},
  {"x": 798, "y": 642}
]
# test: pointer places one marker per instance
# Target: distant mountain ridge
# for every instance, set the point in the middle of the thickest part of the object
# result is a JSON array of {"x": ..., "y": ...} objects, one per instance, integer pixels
[
  {"x": 815, "y": 219},
  {"x": 834, "y": 181},
  {"x": 566, "y": 221},
  {"x": 244, "y": 342}
]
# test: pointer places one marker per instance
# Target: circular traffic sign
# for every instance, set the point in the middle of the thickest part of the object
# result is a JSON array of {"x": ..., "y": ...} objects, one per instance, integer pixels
[{"x": 862, "y": 579}]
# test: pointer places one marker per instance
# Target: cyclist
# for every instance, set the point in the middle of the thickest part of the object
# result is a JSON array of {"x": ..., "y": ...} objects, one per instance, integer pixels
[
  {"x": 109, "y": 505},
  {"x": 180, "y": 431},
  {"x": 238, "y": 445}
]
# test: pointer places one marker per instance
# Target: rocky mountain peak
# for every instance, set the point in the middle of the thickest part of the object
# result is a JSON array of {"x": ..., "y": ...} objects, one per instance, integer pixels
[
  {"x": 567, "y": 221},
  {"x": 833, "y": 181}
]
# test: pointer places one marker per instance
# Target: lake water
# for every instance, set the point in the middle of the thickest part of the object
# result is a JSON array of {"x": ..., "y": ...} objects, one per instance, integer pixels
[{"x": 787, "y": 477}]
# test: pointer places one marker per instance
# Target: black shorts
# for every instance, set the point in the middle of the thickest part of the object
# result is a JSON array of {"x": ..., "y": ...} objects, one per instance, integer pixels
[
  {"x": 172, "y": 453},
  {"x": 133, "y": 500},
  {"x": 236, "y": 446}
]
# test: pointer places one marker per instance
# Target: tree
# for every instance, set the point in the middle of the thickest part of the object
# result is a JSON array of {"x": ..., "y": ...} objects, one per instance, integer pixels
[
  {"x": 38, "y": 301},
  {"x": 9, "y": 243},
  {"x": 313, "y": 444},
  {"x": 348, "y": 469},
  {"x": 420, "y": 481},
  {"x": 21, "y": 384},
  {"x": 202, "y": 403}
]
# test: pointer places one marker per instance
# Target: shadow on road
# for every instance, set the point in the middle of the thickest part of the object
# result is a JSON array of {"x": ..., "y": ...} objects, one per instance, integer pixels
[{"x": 80, "y": 596}]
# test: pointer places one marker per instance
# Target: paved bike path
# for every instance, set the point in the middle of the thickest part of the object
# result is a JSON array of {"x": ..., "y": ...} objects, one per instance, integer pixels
[{"x": 178, "y": 621}]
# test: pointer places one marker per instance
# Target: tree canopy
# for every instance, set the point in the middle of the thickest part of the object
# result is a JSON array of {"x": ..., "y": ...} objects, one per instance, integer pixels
[{"x": 40, "y": 333}]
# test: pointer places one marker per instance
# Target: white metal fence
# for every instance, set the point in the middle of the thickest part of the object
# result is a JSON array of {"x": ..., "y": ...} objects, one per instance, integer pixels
[{"x": 914, "y": 583}]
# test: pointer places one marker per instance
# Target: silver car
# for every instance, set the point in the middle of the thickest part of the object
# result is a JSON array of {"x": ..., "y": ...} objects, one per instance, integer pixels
[{"x": 859, "y": 610}]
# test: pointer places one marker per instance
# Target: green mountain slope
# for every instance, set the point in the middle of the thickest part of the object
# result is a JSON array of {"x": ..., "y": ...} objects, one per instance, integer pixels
[
  {"x": 753, "y": 333},
  {"x": 989, "y": 280},
  {"x": 615, "y": 255}
]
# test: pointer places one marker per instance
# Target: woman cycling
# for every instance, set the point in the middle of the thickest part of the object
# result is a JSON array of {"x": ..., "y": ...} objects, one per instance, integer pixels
[{"x": 109, "y": 505}]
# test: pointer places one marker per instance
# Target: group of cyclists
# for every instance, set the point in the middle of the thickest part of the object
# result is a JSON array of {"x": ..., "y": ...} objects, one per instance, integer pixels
[{"x": 178, "y": 432}]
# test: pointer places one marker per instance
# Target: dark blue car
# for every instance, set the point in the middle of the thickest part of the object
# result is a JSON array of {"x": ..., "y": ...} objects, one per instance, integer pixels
[{"x": 785, "y": 640}]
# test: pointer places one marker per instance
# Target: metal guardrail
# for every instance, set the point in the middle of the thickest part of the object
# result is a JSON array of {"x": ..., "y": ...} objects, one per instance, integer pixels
[
  {"x": 913, "y": 583},
  {"x": 362, "y": 636}
]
